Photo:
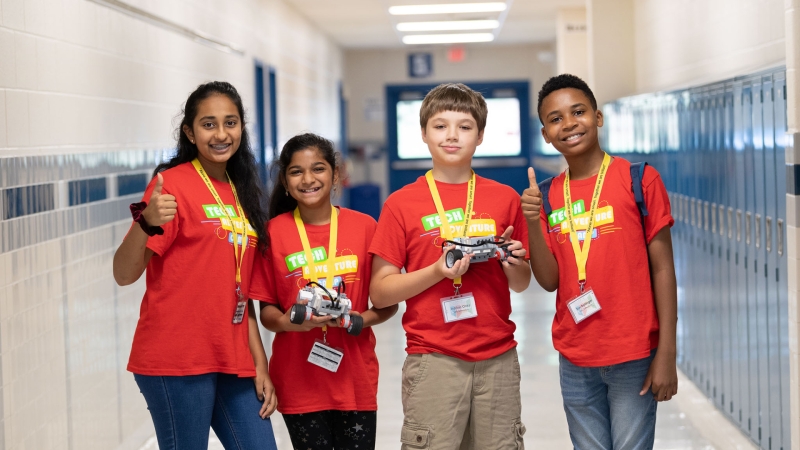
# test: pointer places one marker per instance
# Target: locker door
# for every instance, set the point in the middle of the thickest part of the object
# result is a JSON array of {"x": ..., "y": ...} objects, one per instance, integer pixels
[
  {"x": 700, "y": 361},
  {"x": 770, "y": 266},
  {"x": 720, "y": 273},
  {"x": 749, "y": 254},
  {"x": 684, "y": 311},
  {"x": 741, "y": 111},
  {"x": 728, "y": 236},
  {"x": 782, "y": 143},
  {"x": 710, "y": 294},
  {"x": 758, "y": 260}
]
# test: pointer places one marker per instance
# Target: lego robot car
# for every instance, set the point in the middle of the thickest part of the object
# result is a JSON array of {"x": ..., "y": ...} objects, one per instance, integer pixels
[
  {"x": 315, "y": 300},
  {"x": 481, "y": 248}
]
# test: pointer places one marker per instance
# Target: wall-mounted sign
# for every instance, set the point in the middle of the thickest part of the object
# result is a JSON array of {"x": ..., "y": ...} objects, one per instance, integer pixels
[{"x": 420, "y": 65}]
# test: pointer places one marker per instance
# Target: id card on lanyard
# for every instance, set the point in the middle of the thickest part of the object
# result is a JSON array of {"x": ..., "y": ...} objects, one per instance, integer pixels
[
  {"x": 322, "y": 354},
  {"x": 460, "y": 306},
  {"x": 241, "y": 300},
  {"x": 585, "y": 304}
]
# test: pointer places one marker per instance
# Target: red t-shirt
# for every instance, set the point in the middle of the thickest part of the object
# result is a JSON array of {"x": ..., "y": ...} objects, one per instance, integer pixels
[
  {"x": 185, "y": 322},
  {"x": 626, "y": 327},
  {"x": 408, "y": 236},
  {"x": 303, "y": 387}
]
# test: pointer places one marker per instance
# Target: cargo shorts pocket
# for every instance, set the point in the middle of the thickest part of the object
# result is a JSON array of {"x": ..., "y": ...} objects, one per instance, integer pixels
[
  {"x": 415, "y": 435},
  {"x": 519, "y": 432},
  {"x": 414, "y": 369}
]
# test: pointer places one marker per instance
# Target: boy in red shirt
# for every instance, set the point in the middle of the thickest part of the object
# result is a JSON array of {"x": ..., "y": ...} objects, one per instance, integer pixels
[
  {"x": 616, "y": 306},
  {"x": 462, "y": 361}
]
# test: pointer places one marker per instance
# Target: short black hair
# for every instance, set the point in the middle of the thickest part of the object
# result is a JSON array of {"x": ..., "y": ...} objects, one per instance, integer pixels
[{"x": 563, "y": 81}]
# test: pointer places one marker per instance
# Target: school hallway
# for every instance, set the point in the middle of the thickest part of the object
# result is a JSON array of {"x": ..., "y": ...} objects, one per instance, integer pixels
[
  {"x": 706, "y": 92},
  {"x": 687, "y": 422}
]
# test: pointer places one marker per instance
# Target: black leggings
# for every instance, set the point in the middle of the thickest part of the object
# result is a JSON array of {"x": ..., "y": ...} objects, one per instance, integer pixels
[{"x": 326, "y": 430}]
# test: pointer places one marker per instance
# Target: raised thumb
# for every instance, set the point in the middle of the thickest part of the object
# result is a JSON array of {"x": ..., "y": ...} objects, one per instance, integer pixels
[
  {"x": 159, "y": 184},
  {"x": 532, "y": 178}
]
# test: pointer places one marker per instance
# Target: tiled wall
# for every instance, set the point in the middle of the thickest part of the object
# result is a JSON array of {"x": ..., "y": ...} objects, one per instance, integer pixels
[
  {"x": 792, "y": 24},
  {"x": 88, "y": 98}
]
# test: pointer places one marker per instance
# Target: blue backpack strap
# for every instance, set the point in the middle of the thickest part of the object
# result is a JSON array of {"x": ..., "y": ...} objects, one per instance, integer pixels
[
  {"x": 544, "y": 188},
  {"x": 637, "y": 178}
]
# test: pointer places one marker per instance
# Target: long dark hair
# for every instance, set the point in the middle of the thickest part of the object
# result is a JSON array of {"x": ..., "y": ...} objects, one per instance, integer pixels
[
  {"x": 279, "y": 201},
  {"x": 241, "y": 167}
]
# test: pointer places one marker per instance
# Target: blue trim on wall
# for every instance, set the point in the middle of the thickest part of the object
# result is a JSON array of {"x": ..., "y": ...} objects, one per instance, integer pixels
[
  {"x": 131, "y": 184},
  {"x": 793, "y": 179},
  {"x": 515, "y": 176},
  {"x": 24, "y": 200},
  {"x": 273, "y": 111},
  {"x": 260, "y": 122},
  {"x": 86, "y": 191}
]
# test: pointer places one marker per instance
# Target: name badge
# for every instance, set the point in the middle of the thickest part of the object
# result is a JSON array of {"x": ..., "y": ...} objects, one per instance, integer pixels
[
  {"x": 583, "y": 306},
  {"x": 459, "y": 307},
  {"x": 325, "y": 356},
  {"x": 241, "y": 304}
]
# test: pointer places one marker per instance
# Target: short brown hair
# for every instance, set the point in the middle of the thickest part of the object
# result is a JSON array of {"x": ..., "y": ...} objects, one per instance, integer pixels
[{"x": 453, "y": 97}]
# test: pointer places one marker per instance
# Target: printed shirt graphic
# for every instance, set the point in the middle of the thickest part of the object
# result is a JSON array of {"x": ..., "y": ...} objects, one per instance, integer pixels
[
  {"x": 626, "y": 328},
  {"x": 185, "y": 323},
  {"x": 278, "y": 279},
  {"x": 409, "y": 236}
]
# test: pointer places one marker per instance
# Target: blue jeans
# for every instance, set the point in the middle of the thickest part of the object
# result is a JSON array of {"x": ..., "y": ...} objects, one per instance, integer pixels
[
  {"x": 183, "y": 409},
  {"x": 604, "y": 408}
]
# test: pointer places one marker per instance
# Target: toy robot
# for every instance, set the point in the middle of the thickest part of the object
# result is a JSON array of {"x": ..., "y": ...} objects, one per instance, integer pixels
[
  {"x": 481, "y": 249},
  {"x": 322, "y": 303}
]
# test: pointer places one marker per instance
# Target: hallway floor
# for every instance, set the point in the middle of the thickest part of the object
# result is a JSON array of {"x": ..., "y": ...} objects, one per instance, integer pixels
[{"x": 688, "y": 422}]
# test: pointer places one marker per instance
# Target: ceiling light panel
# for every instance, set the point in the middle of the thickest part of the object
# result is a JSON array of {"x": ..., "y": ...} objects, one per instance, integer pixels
[
  {"x": 450, "y": 25},
  {"x": 451, "y": 8},
  {"x": 447, "y": 38}
]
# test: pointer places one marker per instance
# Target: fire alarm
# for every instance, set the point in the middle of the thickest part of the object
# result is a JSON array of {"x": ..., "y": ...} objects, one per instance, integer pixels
[{"x": 456, "y": 54}]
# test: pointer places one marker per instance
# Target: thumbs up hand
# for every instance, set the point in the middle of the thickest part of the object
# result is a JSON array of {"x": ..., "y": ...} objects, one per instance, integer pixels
[
  {"x": 162, "y": 207},
  {"x": 531, "y": 199}
]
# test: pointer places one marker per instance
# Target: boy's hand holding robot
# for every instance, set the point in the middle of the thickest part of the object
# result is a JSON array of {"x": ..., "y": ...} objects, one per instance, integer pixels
[{"x": 480, "y": 249}]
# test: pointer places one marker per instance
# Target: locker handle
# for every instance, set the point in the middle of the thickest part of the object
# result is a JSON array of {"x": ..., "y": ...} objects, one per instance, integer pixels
[
  {"x": 748, "y": 225},
  {"x": 686, "y": 212},
  {"x": 758, "y": 230},
  {"x": 722, "y": 221},
  {"x": 705, "y": 216},
  {"x": 738, "y": 225},
  {"x": 730, "y": 222},
  {"x": 713, "y": 218},
  {"x": 694, "y": 211},
  {"x": 768, "y": 237},
  {"x": 780, "y": 237}
]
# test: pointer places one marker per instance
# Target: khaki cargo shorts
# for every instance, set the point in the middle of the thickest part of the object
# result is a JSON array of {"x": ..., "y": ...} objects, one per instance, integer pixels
[{"x": 451, "y": 404}]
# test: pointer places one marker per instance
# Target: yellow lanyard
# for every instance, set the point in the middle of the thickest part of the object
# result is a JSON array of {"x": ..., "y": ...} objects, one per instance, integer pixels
[
  {"x": 301, "y": 229},
  {"x": 238, "y": 255},
  {"x": 582, "y": 254},
  {"x": 437, "y": 200}
]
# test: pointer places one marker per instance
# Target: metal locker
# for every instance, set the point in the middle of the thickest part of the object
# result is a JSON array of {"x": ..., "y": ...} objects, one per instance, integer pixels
[
  {"x": 752, "y": 289},
  {"x": 710, "y": 289},
  {"x": 770, "y": 263},
  {"x": 740, "y": 112},
  {"x": 782, "y": 143},
  {"x": 722, "y": 382},
  {"x": 758, "y": 261},
  {"x": 728, "y": 236}
]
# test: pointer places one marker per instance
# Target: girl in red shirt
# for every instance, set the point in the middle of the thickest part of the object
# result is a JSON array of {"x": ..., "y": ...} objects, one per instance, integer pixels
[
  {"x": 325, "y": 370},
  {"x": 197, "y": 352}
]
